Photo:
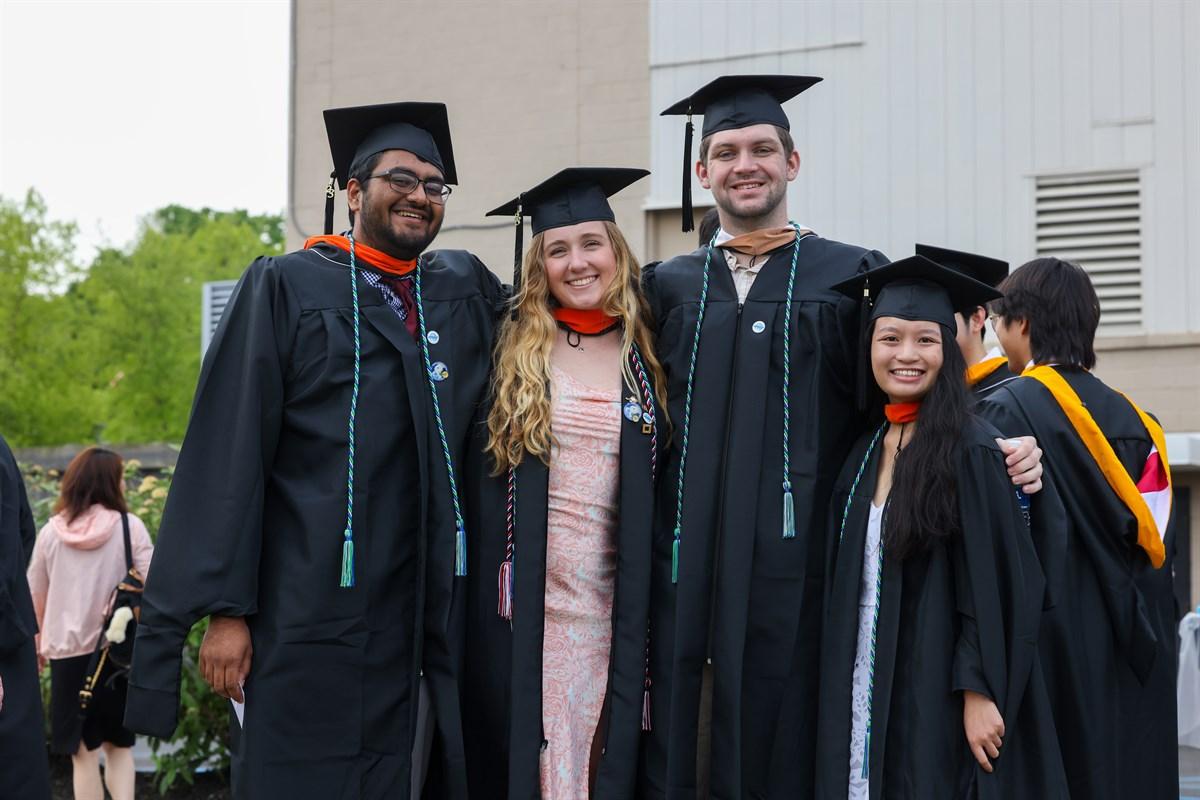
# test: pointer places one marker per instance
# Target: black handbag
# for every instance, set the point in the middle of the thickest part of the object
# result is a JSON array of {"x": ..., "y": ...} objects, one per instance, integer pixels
[{"x": 114, "y": 649}]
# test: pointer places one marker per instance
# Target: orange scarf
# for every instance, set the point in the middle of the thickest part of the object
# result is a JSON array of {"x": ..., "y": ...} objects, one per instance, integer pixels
[
  {"x": 376, "y": 258},
  {"x": 761, "y": 241},
  {"x": 1149, "y": 536},
  {"x": 587, "y": 321},
  {"x": 901, "y": 413},
  {"x": 977, "y": 372}
]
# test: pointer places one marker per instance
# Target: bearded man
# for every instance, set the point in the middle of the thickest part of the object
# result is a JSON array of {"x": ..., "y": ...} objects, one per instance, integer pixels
[{"x": 315, "y": 513}]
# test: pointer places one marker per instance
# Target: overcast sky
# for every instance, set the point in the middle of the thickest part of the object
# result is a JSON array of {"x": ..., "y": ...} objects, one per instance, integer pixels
[{"x": 113, "y": 109}]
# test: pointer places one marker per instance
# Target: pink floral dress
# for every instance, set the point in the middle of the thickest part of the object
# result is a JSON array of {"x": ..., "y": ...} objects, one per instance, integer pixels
[{"x": 581, "y": 561}]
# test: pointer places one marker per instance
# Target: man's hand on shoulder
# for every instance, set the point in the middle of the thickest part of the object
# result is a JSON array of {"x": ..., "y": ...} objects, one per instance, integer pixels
[
  {"x": 225, "y": 656},
  {"x": 1024, "y": 460}
]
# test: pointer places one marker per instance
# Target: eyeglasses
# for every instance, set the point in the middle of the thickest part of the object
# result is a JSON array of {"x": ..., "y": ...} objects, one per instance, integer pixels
[{"x": 404, "y": 182}]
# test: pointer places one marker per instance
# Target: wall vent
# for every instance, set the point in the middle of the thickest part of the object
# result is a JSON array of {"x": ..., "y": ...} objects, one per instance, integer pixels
[
  {"x": 1095, "y": 220},
  {"x": 212, "y": 305}
]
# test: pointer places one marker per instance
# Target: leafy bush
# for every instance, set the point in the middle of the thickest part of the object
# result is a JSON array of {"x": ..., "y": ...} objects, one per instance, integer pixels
[{"x": 201, "y": 739}]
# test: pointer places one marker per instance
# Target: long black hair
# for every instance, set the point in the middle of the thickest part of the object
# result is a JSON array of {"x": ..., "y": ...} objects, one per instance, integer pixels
[{"x": 922, "y": 506}]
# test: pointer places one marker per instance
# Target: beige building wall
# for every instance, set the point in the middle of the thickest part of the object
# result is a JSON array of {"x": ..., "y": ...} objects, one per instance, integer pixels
[{"x": 532, "y": 86}]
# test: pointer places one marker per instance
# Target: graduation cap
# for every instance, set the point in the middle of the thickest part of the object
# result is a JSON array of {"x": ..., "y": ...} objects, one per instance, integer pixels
[
  {"x": 916, "y": 288},
  {"x": 731, "y": 102},
  {"x": 983, "y": 269},
  {"x": 574, "y": 195},
  {"x": 913, "y": 288},
  {"x": 422, "y": 129}
]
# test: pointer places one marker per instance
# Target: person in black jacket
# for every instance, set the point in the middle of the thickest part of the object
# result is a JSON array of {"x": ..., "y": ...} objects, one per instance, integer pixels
[{"x": 25, "y": 774}]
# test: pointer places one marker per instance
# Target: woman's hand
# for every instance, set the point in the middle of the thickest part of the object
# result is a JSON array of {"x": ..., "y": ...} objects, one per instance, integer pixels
[
  {"x": 225, "y": 656},
  {"x": 984, "y": 727}
]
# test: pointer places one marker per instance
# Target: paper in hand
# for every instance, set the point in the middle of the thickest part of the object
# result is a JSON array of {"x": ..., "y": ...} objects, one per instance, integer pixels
[{"x": 239, "y": 709}]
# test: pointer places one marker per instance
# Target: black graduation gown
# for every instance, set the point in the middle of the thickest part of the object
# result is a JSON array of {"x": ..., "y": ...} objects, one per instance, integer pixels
[
  {"x": 503, "y": 688},
  {"x": 25, "y": 775},
  {"x": 964, "y": 614},
  {"x": 747, "y": 598},
  {"x": 1109, "y": 645},
  {"x": 1046, "y": 515},
  {"x": 253, "y": 525}
]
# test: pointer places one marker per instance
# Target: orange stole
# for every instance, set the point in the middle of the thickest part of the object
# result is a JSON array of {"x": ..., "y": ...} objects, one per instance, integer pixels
[
  {"x": 1149, "y": 537},
  {"x": 977, "y": 372},
  {"x": 376, "y": 258}
]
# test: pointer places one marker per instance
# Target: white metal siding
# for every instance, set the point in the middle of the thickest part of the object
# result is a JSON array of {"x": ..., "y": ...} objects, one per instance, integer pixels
[{"x": 936, "y": 119}]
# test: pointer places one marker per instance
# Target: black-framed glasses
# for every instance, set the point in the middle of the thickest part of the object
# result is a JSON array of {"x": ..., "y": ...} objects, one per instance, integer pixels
[{"x": 404, "y": 182}]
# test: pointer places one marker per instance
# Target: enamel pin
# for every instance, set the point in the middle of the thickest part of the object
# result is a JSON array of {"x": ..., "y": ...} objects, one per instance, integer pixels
[{"x": 633, "y": 410}]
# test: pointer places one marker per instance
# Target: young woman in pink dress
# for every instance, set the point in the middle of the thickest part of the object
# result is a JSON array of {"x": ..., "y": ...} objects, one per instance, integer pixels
[{"x": 560, "y": 564}]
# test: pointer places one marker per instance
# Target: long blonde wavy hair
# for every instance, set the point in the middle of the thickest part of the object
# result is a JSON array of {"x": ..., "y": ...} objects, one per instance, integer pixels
[{"x": 519, "y": 420}]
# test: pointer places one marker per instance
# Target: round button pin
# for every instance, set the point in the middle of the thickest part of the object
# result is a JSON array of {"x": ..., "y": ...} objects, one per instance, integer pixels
[
  {"x": 759, "y": 326},
  {"x": 438, "y": 371},
  {"x": 433, "y": 337}
]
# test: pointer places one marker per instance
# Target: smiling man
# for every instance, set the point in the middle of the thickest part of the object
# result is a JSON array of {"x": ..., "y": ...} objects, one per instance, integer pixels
[
  {"x": 315, "y": 513},
  {"x": 760, "y": 355}
]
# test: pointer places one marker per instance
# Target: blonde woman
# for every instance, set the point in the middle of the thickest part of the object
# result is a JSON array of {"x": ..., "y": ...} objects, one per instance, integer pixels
[{"x": 562, "y": 506}]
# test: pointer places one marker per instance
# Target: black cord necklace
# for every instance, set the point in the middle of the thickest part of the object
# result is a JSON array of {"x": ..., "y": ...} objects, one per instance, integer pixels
[{"x": 577, "y": 342}]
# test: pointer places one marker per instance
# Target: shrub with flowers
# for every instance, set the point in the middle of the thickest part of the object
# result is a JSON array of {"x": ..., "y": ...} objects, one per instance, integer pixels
[{"x": 202, "y": 737}]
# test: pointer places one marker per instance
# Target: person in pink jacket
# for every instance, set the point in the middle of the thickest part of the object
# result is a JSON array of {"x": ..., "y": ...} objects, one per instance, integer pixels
[{"x": 78, "y": 559}]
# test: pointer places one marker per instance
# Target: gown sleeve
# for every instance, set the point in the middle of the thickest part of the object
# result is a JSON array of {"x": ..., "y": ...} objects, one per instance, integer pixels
[
  {"x": 1048, "y": 524},
  {"x": 998, "y": 582},
  {"x": 17, "y": 536},
  {"x": 207, "y": 558}
]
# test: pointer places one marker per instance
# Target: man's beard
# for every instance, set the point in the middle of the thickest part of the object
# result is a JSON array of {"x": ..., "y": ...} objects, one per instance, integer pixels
[
  {"x": 776, "y": 196},
  {"x": 405, "y": 246}
]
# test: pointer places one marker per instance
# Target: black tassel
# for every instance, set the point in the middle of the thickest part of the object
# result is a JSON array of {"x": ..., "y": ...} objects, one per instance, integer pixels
[
  {"x": 330, "y": 191},
  {"x": 518, "y": 251},
  {"x": 864, "y": 348},
  {"x": 688, "y": 223}
]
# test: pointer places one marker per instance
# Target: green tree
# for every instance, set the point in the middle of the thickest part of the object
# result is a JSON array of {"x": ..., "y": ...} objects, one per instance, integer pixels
[
  {"x": 39, "y": 395},
  {"x": 111, "y": 353},
  {"x": 147, "y": 316}
]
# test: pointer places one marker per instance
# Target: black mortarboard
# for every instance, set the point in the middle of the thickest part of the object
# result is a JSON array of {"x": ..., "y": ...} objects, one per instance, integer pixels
[
  {"x": 983, "y": 269},
  {"x": 912, "y": 288},
  {"x": 574, "y": 195},
  {"x": 917, "y": 288},
  {"x": 422, "y": 129},
  {"x": 730, "y": 102}
]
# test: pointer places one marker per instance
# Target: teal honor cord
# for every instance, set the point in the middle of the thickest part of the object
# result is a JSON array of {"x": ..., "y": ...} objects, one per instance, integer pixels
[
  {"x": 460, "y": 538},
  {"x": 687, "y": 412},
  {"x": 789, "y": 510},
  {"x": 347, "y": 573},
  {"x": 460, "y": 530},
  {"x": 789, "y": 513},
  {"x": 866, "y": 768}
]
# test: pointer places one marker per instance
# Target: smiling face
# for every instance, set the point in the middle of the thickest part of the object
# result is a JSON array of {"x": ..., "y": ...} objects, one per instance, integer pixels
[
  {"x": 401, "y": 225},
  {"x": 748, "y": 171},
  {"x": 580, "y": 264},
  {"x": 906, "y": 356}
]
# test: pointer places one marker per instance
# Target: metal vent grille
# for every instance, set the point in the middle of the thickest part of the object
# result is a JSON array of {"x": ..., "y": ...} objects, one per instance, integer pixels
[
  {"x": 1095, "y": 220},
  {"x": 212, "y": 305}
]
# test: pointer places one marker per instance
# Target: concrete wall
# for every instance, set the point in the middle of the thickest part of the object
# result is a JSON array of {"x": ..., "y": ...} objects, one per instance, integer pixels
[{"x": 532, "y": 87}]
